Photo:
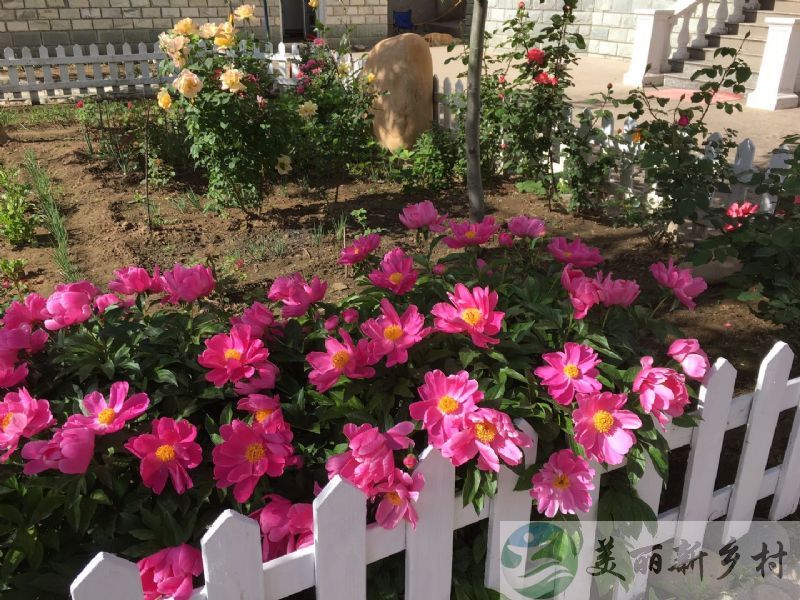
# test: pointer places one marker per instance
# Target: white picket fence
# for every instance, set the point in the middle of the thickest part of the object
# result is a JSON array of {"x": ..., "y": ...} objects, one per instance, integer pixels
[
  {"x": 28, "y": 78},
  {"x": 344, "y": 544}
]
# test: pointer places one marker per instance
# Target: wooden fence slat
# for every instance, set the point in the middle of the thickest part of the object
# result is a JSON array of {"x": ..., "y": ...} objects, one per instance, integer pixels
[
  {"x": 787, "y": 493},
  {"x": 144, "y": 68},
  {"x": 81, "y": 82},
  {"x": 30, "y": 73},
  {"x": 232, "y": 558},
  {"x": 106, "y": 572},
  {"x": 770, "y": 388},
  {"x": 340, "y": 527},
  {"x": 777, "y": 162},
  {"x": 289, "y": 574},
  {"x": 47, "y": 71},
  {"x": 97, "y": 68},
  {"x": 705, "y": 449},
  {"x": 742, "y": 166},
  {"x": 429, "y": 547},
  {"x": 507, "y": 505},
  {"x": 63, "y": 71}
]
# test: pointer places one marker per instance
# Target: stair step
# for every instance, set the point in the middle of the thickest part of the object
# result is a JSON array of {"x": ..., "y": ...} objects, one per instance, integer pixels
[
  {"x": 684, "y": 82},
  {"x": 749, "y": 46},
  {"x": 760, "y": 16},
  {"x": 706, "y": 55},
  {"x": 757, "y": 31},
  {"x": 786, "y": 6},
  {"x": 682, "y": 71}
]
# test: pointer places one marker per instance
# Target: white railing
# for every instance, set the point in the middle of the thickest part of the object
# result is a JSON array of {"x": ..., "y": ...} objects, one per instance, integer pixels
[
  {"x": 344, "y": 544},
  {"x": 104, "y": 71}
]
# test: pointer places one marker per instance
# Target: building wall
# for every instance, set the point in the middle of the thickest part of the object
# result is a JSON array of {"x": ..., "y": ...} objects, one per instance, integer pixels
[
  {"x": 368, "y": 20},
  {"x": 607, "y": 25},
  {"x": 65, "y": 22}
]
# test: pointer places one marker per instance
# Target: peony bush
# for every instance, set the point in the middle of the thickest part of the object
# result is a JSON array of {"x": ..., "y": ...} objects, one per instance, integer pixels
[{"x": 133, "y": 415}]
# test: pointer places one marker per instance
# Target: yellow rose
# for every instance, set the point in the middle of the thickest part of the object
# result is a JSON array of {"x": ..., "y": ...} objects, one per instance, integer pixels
[
  {"x": 207, "y": 30},
  {"x": 307, "y": 110},
  {"x": 225, "y": 37},
  {"x": 176, "y": 47},
  {"x": 245, "y": 12},
  {"x": 313, "y": 3},
  {"x": 164, "y": 99},
  {"x": 343, "y": 69},
  {"x": 231, "y": 80},
  {"x": 370, "y": 77},
  {"x": 188, "y": 84},
  {"x": 637, "y": 137},
  {"x": 185, "y": 27},
  {"x": 284, "y": 166}
]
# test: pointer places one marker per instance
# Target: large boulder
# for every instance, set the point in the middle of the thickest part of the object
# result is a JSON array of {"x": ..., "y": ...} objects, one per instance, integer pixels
[{"x": 403, "y": 71}]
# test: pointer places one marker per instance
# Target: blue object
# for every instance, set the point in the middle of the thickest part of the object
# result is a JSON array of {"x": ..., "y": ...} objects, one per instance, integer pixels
[{"x": 402, "y": 19}]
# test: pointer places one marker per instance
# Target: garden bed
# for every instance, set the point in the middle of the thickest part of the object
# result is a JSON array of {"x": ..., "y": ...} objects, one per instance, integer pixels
[{"x": 108, "y": 228}]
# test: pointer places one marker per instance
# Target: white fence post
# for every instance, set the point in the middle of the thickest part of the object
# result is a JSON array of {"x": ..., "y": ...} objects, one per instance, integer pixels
[
  {"x": 429, "y": 547},
  {"x": 767, "y": 400},
  {"x": 340, "y": 530},
  {"x": 787, "y": 493},
  {"x": 776, "y": 87},
  {"x": 232, "y": 558},
  {"x": 650, "y": 47},
  {"x": 105, "y": 573}
]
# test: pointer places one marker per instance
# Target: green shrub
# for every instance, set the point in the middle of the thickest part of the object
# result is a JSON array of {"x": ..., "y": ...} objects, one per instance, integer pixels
[{"x": 17, "y": 220}]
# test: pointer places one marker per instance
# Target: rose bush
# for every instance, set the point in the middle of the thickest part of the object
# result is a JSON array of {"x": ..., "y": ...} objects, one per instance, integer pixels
[{"x": 132, "y": 418}]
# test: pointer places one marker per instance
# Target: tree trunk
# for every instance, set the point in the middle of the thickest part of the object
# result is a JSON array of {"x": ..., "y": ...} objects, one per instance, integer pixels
[{"x": 472, "y": 124}]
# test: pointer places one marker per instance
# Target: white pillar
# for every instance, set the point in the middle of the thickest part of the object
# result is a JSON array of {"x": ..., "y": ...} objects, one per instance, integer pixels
[
  {"x": 650, "y": 47},
  {"x": 777, "y": 78}
]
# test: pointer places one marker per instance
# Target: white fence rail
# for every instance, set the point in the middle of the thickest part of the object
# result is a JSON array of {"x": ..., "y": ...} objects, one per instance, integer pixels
[
  {"x": 25, "y": 77},
  {"x": 344, "y": 544}
]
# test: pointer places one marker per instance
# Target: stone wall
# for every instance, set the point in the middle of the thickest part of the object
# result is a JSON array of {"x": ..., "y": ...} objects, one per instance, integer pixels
[
  {"x": 607, "y": 25},
  {"x": 368, "y": 19},
  {"x": 65, "y": 22}
]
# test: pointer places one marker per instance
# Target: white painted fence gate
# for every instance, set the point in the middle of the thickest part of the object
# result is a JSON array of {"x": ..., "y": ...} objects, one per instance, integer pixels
[{"x": 344, "y": 544}]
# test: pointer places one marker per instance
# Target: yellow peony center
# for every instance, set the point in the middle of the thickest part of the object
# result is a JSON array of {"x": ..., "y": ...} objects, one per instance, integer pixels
[
  {"x": 6, "y": 421},
  {"x": 106, "y": 416},
  {"x": 254, "y": 453},
  {"x": 393, "y": 332},
  {"x": 571, "y": 371},
  {"x": 165, "y": 453},
  {"x": 394, "y": 498},
  {"x": 396, "y": 277},
  {"x": 340, "y": 359},
  {"x": 561, "y": 481},
  {"x": 485, "y": 432},
  {"x": 470, "y": 235},
  {"x": 471, "y": 315},
  {"x": 232, "y": 354},
  {"x": 567, "y": 253},
  {"x": 263, "y": 414},
  {"x": 603, "y": 421},
  {"x": 447, "y": 405}
]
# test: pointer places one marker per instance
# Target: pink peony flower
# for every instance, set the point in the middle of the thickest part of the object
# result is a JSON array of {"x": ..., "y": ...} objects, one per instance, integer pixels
[
  {"x": 369, "y": 462},
  {"x": 505, "y": 239},
  {"x": 129, "y": 281},
  {"x": 396, "y": 272},
  {"x": 266, "y": 411},
  {"x": 526, "y": 227},
  {"x": 445, "y": 400},
  {"x": 107, "y": 416},
  {"x": 693, "y": 360},
  {"x": 410, "y": 461},
  {"x": 296, "y": 294},
  {"x": 680, "y": 281},
  {"x": 603, "y": 427},
  {"x": 21, "y": 339},
  {"x": 575, "y": 253},
  {"x": 360, "y": 249},
  {"x": 584, "y": 292},
  {"x": 285, "y": 527},
  {"x": 740, "y": 212},
  {"x": 340, "y": 358},
  {"x": 70, "y": 451},
  {"x": 472, "y": 312},
  {"x": 234, "y": 356},
  {"x": 69, "y": 304},
  {"x": 393, "y": 335},
  {"x": 331, "y": 323},
  {"x": 563, "y": 485},
  {"x": 187, "y": 284},
  {"x": 104, "y": 301},
  {"x": 21, "y": 416},
  {"x": 490, "y": 435},
  {"x": 258, "y": 316},
  {"x": 246, "y": 454},
  {"x": 350, "y": 315},
  {"x": 422, "y": 215},
  {"x": 536, "y": 56},
  {"x": 169, "y": 572},
  {"x": 616, "y": 292},
  {"x": 264, "y": 379},
  {"x": 168, "y": 452},
  {"x": 398, "y": 499},
  {"x": 439, "y": 269},
  {"x": 569, "y": 372},
  {"x": 661, "y": 391},
  {"x": 31, "y": 311},
  {"x": 466, "y": 233},
  {"x": 11, "y": 373}
]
